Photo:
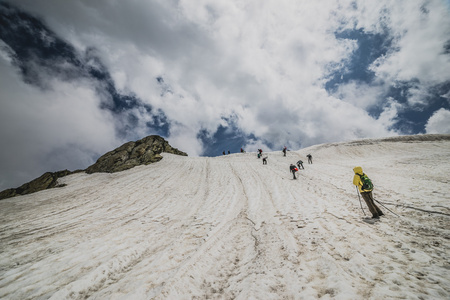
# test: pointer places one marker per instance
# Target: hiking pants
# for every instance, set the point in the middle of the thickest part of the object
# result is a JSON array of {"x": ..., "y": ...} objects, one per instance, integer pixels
[
  {"x": 367, "y": 196},
  {"x": 293, "y": 173}
]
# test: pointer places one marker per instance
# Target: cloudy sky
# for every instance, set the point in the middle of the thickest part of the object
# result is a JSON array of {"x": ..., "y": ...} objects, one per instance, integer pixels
[{"x": 79, "y": 78}]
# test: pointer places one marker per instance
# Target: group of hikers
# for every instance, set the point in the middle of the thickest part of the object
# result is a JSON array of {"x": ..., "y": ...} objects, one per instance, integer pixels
[
  {"x": 360, "y": 180},
  {"x": 292, "y": 167},
  {"x": 259, "y": 155},
  {"x": 300, "y": 166}
]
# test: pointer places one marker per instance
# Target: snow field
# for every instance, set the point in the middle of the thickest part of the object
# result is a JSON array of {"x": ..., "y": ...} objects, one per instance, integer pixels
[{"x": 231, "y": 228}]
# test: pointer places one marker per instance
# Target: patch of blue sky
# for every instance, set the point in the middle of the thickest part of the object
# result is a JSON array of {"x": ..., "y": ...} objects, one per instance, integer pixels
[
  {"x": 226, "y": 138},
  {"x": 370, "y": 47},
  {"x": 411, "y": 118}
]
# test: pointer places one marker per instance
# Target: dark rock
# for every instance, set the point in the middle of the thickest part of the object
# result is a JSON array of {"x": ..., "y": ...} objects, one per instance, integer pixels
[
  {"x": 142, "y": 152},
  {"x": 46, "y": 181}
]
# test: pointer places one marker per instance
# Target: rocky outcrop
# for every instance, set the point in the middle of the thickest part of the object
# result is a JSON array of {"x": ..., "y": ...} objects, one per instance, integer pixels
[
  {"x": 142, "y": 152},
  {"x": 46, "y": 181}
]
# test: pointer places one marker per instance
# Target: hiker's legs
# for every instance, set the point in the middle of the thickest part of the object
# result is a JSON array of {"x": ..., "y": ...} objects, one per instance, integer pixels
[
  {"x": 367, "y": 196},
  {"x": 379, "y": 212},
  {"x": 293, "y": 173}
]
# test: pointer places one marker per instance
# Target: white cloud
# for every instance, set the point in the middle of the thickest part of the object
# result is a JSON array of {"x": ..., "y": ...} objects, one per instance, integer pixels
[
  {"x": 219, "y": 57},
  {"x": 390, "y": 113},
  {"x": 361, "y": 95},
  {"x": 264, "y": 62},
  {"x": 48, "y": 130},
  {"x": 446, "y": 96},
  {"x": 419, "y": 29},
  {"x": 185, "y": 139},
  {"x": 439, "y": 122}
]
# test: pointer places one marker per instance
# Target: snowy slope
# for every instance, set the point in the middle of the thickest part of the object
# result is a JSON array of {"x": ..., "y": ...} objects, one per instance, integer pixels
[{"x": 230, "y": 227}]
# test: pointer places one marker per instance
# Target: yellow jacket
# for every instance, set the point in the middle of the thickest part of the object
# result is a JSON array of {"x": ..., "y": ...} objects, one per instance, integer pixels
[{"x": 357, "y": 179}]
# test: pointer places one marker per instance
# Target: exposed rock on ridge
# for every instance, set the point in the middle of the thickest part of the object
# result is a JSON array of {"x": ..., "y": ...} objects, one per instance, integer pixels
[
  {"x": 131, "y": 154},
  {"x": 143, "y": 152},
  {"x": 46, "y": 181}
]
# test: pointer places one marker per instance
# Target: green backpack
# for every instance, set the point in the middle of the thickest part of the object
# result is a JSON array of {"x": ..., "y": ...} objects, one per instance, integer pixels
[{"x": 367, "y": 184}]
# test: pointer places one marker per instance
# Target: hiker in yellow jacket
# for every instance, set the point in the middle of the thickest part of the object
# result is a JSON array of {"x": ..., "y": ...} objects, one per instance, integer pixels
[{"x": 366, "y": 193}]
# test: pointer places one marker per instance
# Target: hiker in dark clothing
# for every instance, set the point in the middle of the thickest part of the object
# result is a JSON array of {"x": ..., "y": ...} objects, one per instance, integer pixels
[
  {"x": 228, "y": 151},
  {"x": 223, "y": 152},
  {"x": 242, "y": 150},
  {"x": 265, "y": 160},
  {"x": 309, "y": 156},
  {"x": 300, "y": 165},
  {"x": 293, "y": 170},
  {"x": 284, "y": 151}
]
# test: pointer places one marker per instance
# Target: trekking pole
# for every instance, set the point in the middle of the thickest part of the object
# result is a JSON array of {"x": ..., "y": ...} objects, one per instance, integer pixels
[
  {"x": 386, "y": 207},
  {"x": 357, "y": 192}
]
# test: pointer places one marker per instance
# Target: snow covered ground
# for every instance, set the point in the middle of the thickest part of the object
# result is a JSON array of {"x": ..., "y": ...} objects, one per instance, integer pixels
[{"x": 231, "y": 227}]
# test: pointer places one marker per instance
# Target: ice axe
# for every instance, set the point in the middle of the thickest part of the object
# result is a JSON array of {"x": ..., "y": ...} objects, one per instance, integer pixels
[
  {"x": 360, "y": 203},
  {"x": 386, "y": 207},
  {"x": 375, "y": 201}
]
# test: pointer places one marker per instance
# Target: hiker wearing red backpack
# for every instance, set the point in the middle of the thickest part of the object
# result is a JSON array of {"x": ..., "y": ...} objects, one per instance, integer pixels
[
  {"x": 365, "y": 188},
  {"x": 293, "y": 170}
]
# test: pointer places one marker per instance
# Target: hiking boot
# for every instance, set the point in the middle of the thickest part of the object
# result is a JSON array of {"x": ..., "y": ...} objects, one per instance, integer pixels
[
  {"x": 380, "y": 214},
  {"x": 375, "y": 217}
]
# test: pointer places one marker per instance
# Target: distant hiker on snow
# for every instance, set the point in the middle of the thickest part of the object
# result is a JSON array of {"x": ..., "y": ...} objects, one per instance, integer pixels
[
  {"x": 242, "y": 150},
  {"x": 260, "y": 151},
  {"x": 309, "y": 156},
  {"x": 293, "y": 170},
  {"x": 365, "y": 187},
  {"x": 228, "y": 151},
  {"x": 223, "y": 152},
  {"x": 265, "y": 160},
  {"x": 284, "y": 151},
  {"x": 300, "y": 165}
]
